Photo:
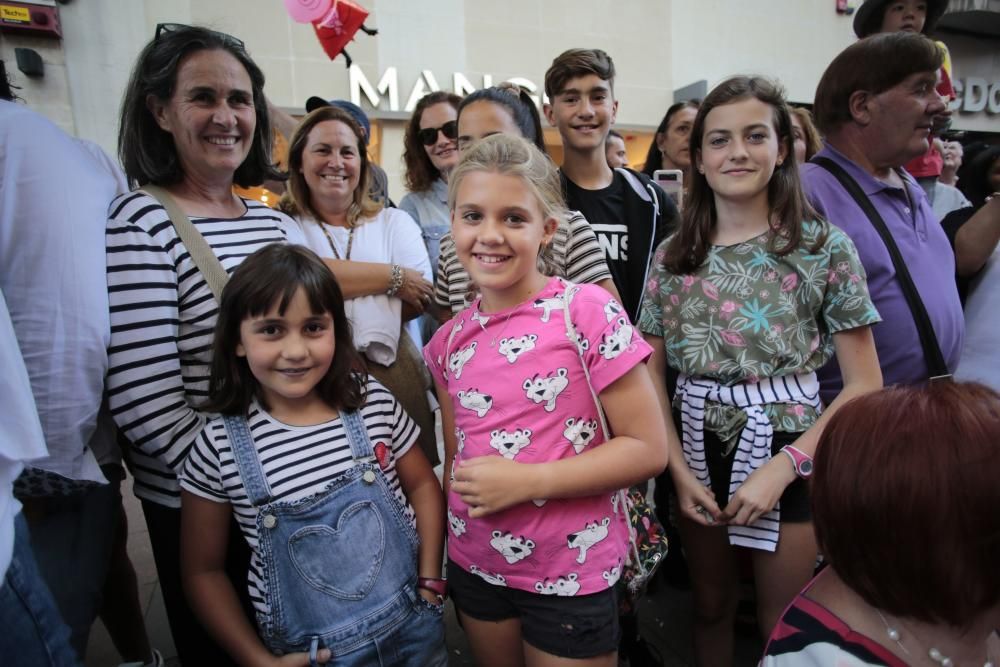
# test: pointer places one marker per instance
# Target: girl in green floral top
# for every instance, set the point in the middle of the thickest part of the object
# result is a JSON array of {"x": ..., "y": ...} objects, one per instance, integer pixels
[{"x": 750, "y": 296}]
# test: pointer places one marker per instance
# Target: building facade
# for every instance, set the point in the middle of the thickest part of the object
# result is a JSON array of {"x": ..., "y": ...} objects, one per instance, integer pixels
[{"x": 659, "y": 47}]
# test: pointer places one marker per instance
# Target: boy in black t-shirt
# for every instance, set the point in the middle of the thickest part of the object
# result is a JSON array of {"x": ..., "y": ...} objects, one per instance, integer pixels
[{"x": 629, "y": 214}]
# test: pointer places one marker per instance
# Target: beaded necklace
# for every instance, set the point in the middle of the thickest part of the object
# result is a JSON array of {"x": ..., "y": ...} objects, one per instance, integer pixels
[
  {"x": 333, "y": 246},
  {"x": 933, "y": 653}
]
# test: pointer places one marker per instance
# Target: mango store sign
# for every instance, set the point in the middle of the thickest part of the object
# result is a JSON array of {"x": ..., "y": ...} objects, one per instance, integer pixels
[{"x": 385, "y": 93}]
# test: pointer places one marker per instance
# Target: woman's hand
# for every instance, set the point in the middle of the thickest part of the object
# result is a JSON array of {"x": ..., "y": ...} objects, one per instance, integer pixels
[
  {"x": 415, "y": 290},
  {"x": 488, "y": 484},
  {"x": 760, "y": 492},
  {"x": 697, "y": 502}
]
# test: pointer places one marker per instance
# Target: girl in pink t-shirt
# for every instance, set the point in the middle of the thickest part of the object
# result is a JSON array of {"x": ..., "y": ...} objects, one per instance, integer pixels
[{"x": 536, "y": 535}]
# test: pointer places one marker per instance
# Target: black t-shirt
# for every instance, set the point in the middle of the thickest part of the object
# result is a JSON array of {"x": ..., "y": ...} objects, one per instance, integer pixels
[{"x": 604, "y": 209}]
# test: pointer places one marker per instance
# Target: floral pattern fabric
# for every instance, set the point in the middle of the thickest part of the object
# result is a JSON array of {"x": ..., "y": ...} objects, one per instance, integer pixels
[{"x": 748, "y": 313}]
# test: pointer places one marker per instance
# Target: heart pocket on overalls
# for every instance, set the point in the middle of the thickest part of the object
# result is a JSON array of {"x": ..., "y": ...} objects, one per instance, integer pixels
[{"x": 344, "y": 561}]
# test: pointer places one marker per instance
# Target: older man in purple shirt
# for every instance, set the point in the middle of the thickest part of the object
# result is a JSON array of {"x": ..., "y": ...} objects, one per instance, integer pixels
[{"x": 876, "y": 105}]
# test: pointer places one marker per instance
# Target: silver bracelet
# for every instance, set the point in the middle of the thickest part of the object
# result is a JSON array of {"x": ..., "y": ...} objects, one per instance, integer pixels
[{"x": 396, "y": 279}]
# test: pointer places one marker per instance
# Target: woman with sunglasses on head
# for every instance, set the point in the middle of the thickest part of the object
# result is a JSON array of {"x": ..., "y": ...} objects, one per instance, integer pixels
[
  {"x": 194, "y": 123},
  {"x": 328, "y": 197}
]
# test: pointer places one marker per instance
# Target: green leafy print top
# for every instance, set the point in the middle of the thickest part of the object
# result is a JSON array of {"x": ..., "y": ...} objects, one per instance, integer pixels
[{"x": 747, "y": 314}]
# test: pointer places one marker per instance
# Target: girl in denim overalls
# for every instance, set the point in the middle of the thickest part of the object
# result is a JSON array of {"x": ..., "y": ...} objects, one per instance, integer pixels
[{"x": 316, "y": 462}]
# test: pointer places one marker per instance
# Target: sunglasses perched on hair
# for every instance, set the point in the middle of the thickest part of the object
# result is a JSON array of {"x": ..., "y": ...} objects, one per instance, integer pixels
[
  {"x": 162, "y": 28},
  {"x": 429, "y": 135}
]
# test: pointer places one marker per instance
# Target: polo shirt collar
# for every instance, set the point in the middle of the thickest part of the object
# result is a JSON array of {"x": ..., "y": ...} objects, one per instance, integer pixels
[{"x": 869, "y": 184}]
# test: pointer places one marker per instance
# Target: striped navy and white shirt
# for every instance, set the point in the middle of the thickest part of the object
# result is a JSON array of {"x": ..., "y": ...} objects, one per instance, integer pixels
[
  {"x": 298, "y": 462},
  {"x": 577, "y": 254},
  {"x": 162, "y": 317}
]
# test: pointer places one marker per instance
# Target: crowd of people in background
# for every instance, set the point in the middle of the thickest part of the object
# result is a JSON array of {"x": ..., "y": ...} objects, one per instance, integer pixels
[{"x": 339, "y": 412}]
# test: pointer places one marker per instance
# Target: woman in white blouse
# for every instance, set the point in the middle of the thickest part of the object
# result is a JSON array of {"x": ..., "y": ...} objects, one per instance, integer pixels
[{"x": 328, "y": 198}]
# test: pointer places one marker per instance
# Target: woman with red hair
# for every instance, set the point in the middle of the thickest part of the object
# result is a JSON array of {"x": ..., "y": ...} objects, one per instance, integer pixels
[{"x": 904, "y": 500}]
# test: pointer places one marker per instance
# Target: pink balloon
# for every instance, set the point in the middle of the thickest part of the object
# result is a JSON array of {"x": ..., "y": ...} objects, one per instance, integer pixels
[{"x": 307, "y": 11}]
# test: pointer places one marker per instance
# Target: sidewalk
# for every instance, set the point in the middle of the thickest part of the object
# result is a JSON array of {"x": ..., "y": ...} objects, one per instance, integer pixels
[{"x": 665, "y": 616}]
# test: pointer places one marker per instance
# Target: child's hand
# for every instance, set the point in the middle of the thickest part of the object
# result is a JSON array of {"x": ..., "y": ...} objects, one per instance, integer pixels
[
  {"x": 488, "y": 484},
  {"x": 697, "y": 502},
  {"x": 760, "y": 492},
  {"x": 430, "y": 596},
  {"x": 302, "y": 659}
]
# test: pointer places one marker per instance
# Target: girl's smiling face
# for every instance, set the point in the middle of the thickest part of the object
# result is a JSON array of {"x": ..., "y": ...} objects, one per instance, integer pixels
[
  {"x": 740, "y": 149},
  {"x": 499, "y": 228},
  {"x": 288, "y": 353}
]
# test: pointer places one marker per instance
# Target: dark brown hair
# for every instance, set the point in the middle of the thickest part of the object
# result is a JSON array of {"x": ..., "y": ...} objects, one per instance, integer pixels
[
  {"x": 420, "y": 172},
  {"x": 874, "y": 64},
  {"x": 578, "y": 62},
  {"x": 688, "y": 248},
  {"x": 147, "y": 151},
  {"x": 267, "y": 279},
  {"x": 654, "y": 156},
  {"x": 298, "y": 199},
  {"x": 905, "y": 498}
]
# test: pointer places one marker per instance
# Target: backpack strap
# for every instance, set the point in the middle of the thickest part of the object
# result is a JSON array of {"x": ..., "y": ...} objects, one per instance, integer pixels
[{"x": 936, "y": 366}]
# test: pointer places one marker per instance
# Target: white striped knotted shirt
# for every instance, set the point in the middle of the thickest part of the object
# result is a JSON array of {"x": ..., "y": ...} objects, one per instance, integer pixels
[{"x": 754, "y": 447}]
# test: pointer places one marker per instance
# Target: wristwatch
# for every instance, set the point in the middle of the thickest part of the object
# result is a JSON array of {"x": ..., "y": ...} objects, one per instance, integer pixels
[
  {"x": 801, "y": 461},
  {"x": 437, "y": 586}
]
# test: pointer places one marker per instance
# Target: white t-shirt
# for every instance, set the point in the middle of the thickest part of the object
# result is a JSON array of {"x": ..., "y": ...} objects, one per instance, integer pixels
[
  {"x": 53, "y": 204},
  {"x": 980, "y": 361},
  {"x": 20, "y": 433},
  {"x": 389, "y": 237}
]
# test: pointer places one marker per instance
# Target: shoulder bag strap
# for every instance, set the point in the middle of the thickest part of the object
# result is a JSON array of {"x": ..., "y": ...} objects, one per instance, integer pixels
[
  {"x": 201, "y": 253},
  {"x": 573, "y": 337},
  {"x": 928, "y": 339}
]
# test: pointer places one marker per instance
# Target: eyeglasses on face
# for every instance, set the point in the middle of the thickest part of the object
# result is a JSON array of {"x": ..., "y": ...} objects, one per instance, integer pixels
[
  {"x": 429, "y": 135},
  {"x": 163, "y": 28}
]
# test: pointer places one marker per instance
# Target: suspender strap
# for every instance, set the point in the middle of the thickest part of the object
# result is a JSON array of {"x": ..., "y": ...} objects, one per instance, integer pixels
[
  {"x": 936, "y": 366},
  {"x": 249, "y": 465},
  {"x": 201, "y": 253},
  {"x": 357, "y": 436},
  {"x": 246, "y": 459}
]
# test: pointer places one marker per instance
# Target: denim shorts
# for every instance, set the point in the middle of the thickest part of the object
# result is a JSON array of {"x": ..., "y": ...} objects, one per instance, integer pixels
[{"x": 576, "y": 627}]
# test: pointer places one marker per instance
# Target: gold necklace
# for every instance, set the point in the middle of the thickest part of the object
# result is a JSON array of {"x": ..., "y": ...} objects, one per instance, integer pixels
[{"x": 333, "y": 246}]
